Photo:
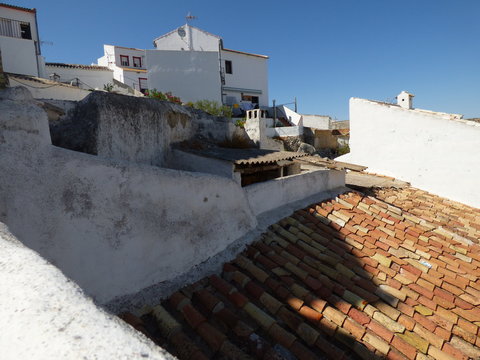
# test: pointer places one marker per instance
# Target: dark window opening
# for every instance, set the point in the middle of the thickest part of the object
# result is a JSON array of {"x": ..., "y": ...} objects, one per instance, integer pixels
[
  {"x": 252, "y": 99},
  {"x": 142, "y": 82},
  {"x": 228, "y": 67},
  {"x": 137, "y": 61},
  {"x": 25, "y": 31},
  {"x": 124, "y": 61}
]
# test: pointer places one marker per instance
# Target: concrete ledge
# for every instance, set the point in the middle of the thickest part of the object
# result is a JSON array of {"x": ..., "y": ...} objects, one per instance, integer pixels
[{"x": 279, "y": 192}]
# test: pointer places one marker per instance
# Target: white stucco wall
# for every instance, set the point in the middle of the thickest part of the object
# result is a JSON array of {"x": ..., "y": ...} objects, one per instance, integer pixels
[
  {"x": 275, "y": 193},
  {"x": 89, "y": 79},
  {"x": 427, "y": 149},
  {"x": 18, "y": 56},
  {"x": 21, "y": 15},
  {"x": 113, "y": 227},
  {"x": 191, "y": 75},
  {"x": 284, "y": 131},
  {"x": 44, "y": 315},
  {"x": 248, "y": 72},
  {"x": 195, "y": 39},
  {"x": 319, "y": 122}
]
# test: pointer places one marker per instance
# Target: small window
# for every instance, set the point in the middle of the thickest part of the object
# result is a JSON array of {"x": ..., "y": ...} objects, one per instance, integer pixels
[
  {"x": 137, "y": 61},
  {"x": 124, "y": 60},
  {"x": 25, "y": 31},
  {"x": 228, "y": 67},
  {"x": 142, "y": 82}
]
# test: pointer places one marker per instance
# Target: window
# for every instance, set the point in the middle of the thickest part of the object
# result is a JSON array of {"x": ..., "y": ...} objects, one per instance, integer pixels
[
  {"x": 137, "y": 61},
  {"x": 25, "y": 31},
  {"x": 228, "y": 67},
  {"x": 124, "y": 61},
  {"x": 252, "y": 99},
  {"x": 142, "y": 82}
]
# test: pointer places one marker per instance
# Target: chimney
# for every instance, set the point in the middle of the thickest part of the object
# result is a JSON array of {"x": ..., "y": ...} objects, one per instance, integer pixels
[{"x": 405, "y": 100}]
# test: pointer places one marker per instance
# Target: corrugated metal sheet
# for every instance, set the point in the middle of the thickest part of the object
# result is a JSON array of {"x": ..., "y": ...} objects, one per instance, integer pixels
[
  {"x": 246, "y": 156},
  {"x": 331, "y": 164}
]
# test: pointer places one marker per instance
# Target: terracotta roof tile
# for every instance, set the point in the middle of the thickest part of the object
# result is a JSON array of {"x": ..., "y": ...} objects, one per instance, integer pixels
[{"x": 393, "y": 276}]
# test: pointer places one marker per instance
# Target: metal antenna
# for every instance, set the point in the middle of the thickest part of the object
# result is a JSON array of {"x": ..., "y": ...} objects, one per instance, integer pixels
[{"x": 190, "y": 17}]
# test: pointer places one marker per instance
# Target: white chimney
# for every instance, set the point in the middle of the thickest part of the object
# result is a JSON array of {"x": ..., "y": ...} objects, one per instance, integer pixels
[{"x": 405, "y": 100}]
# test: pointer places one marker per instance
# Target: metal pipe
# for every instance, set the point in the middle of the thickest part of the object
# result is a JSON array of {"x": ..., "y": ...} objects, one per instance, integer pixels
[{"x": 274, "y": 114}]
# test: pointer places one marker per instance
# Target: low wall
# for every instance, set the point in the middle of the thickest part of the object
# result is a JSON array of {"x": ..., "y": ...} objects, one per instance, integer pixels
[
  {"x": 113, "y": 227},
  {"x": 432, "y": 151},
  {"x": 276, "y": 193},
  {"x": 33, "y": 327},
  {"x": 284, "y": 131},
  {"x": 50, "y": 91},
  {"x": 182, "y": 160}
]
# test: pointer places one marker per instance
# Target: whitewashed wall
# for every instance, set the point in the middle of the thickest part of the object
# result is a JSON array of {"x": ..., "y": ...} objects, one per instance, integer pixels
[
  {"x": 191, "y": 75},
  {"x": 284, "y": 131},
  {"x": 113, "y": 227},
  {"x": 18, "y": 56},
  {"x": 319, "y": 122},
  {"x": 20, "y": 15},
  {"x": 194, "y": 39},
  {"x": 269, "y": 195},
  {"x": 89, "y": 79},
  {"x": 248, "y": 72},
  {"x": 45, "y": 91},
  {"x": 427, "y": 149}
]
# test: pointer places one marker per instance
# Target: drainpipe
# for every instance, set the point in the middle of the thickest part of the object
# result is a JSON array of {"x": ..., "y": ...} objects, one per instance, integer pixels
[{"x": 39, "y": 52}]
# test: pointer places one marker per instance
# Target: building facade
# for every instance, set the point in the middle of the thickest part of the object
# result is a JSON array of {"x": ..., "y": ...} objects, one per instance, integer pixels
[
  {"x": 19, "y": 41},
  {"x": 192, "y": 64},
  {"x": 128, "y": 65},
  {"x": 240, "y": 77},
  {"x": 89, "y": 77}
]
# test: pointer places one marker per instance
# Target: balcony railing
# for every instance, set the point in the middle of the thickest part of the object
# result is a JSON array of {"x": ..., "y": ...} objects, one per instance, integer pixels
[{"x": 15, "y": 29}]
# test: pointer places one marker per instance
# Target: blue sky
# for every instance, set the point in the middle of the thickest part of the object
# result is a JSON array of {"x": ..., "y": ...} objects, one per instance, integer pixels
[{"x": 322, "y": 52}]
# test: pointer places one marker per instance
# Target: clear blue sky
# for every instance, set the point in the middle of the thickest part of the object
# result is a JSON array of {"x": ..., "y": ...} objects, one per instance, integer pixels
[{"x": 322, "y": 52}]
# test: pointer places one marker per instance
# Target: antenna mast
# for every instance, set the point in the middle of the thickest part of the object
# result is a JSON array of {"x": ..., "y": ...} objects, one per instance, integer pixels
[{"x": 190, "y": 17}]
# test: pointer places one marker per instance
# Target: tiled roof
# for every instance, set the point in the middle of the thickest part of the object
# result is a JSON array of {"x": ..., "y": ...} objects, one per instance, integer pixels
[
  {"x": 354, "y": 277},
  {"x": 14, "y": 7},
  {"x": 458, "y": 218},
  {"x": 79, "y": 66},
  {"x": 245, "y": 53}
]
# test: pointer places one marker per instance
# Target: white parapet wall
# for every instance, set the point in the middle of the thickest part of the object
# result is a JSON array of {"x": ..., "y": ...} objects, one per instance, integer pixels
[
  {"x": 273, "y": 194},
  {"x": 433, "y": 151},
  {"x": 114, "y": 227},
  {"x": 44, "y": 315},
  {"x": 284, "y": 131}
]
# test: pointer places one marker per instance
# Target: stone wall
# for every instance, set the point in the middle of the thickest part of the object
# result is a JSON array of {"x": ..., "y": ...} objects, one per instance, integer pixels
[{"x": 134, "y": 129}]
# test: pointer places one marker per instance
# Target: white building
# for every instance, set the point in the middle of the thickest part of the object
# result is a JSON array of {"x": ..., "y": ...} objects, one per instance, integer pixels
[
  {"x": 19, "y": 41},
  {"x": 84, "y": 76},
  {"x": 194, "y": 65},
  {"x": 426, "y": 148},
  {"x": 128, "y": 65}
]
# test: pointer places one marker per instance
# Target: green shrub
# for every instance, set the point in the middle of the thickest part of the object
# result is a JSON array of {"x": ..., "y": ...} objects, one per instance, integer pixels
[
  {"x": 154, "y": 94},
  {"x": 342, "y": 150},
  {"x": 213, "y": 108},
  {"x": 240, "y": 123}
]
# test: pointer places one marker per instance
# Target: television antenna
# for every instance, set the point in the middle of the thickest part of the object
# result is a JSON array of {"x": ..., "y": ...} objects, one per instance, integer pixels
[{"x": 190, "y": 17}]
